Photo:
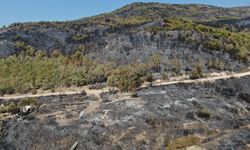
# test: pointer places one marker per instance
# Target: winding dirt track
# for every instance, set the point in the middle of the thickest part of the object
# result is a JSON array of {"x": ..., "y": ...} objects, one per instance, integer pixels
[
  {"x": 218, "y": 77},
  {"x": 78, "y": 90}
]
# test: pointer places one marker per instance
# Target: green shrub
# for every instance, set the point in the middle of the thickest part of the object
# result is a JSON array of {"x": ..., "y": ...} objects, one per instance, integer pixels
[
  {"x": 149, "y": 77},
  {"x": 23, "y": 74},
  {"x": 10, "y": 108},
  {"x": 203, "y": 113},
  {"x": 6, "y": 89},
  {"x": 26, "y": 50},
  {"x": 79, "y": 38},
  {"x": 183, "y": 142},
  {"x": 124, "y": 78},
  {"x": 164, "y": 76},
  {"x": 175, "y": 65},
  {"x": 83, "y": 92},
  {"x": 155, "y": 62},
  {"x": 28, "y": 102},
  {"x": 235, "y": 43},
  {"x": 15, "y": 108},
  {"x": 197, "y": 72}
]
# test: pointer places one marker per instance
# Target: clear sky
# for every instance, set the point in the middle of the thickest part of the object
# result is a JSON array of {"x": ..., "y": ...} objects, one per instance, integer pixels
[{"x": 59, "y": 10}]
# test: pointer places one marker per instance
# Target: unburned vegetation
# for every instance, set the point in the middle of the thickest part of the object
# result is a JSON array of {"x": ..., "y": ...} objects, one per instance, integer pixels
[{"x": 30, "y": 71}]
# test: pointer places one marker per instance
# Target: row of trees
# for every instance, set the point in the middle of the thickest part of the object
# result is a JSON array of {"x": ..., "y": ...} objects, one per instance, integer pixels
[
  {"x": 32, "y": 70},
  {"x": 22, "y": 74}
]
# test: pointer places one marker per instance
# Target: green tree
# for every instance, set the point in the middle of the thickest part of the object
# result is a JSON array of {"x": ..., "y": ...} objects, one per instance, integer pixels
[
  {"x": 197, "y": 72},
  {"x": 155, "y": 62},
  {"x": 124, "y": 78}
]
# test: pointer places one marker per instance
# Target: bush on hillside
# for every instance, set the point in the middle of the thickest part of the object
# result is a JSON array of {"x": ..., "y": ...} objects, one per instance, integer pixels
[
  {"x": 124, "y": 78},
  {"x": 83, "y": 92},
  {"x": 197, "y": 72}
]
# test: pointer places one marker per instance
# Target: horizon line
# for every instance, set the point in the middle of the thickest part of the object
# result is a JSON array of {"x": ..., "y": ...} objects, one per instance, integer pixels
[{"x": 88, "y": 16}]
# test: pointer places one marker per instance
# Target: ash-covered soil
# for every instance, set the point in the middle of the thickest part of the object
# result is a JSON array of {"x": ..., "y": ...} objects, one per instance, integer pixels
[{"x": 193, "y": 116}]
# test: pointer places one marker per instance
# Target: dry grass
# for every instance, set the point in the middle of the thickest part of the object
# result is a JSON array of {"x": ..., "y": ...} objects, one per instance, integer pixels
[{"x": 183, "y": 142}]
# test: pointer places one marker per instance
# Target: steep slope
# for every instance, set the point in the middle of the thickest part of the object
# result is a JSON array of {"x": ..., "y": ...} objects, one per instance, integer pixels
[
  {"x": 233, "y": 24},
  {"x": 192, "y": 11},
  {"x": 125, "y": 35}
]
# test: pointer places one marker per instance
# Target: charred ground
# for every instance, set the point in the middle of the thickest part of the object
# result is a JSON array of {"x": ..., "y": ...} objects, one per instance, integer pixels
[
  {"x": 160, "y": 39},
  {"x": 211, "y": 115}
]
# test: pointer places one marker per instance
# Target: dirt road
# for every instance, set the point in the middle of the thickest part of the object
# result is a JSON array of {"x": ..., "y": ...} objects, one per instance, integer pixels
[
  {"x": 77, "y": 90},
  {"x": 217, "y": 77}
]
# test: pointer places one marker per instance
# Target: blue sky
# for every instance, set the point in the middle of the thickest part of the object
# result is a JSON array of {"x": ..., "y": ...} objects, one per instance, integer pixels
[{"x": 59, "y": 10}]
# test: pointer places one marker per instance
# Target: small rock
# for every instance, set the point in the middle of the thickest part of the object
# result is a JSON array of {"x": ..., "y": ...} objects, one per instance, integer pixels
[
  {"x": 192, "y": 99},
  {"x": 105, "y": 112},
  {"x": 166, "y": 105},
  {"x": 81, "y": 114},
  {"x": 147, "y": 142},
  {"x": 177, "y": 103},
  {"x": 27, "y": 109}
]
